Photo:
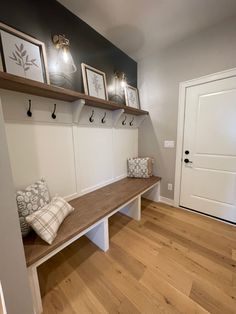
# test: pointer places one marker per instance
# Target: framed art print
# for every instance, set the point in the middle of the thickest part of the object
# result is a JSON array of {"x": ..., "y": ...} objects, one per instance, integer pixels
[
  {"x": 132, "y": 97},
  {"x": 22, "y": 55},
  {"x": 94, "y": 82}
]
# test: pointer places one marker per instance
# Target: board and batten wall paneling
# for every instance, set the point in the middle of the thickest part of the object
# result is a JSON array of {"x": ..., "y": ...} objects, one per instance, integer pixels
[
  {"x": 47, "y": 151},
  {"x": 125, "y": 143},
  {"x": 94, "y": 158},
  {"x": 73, "y": 159},
  {"x": 102, "y": 155},
  {"x": 42, "y": 151}
]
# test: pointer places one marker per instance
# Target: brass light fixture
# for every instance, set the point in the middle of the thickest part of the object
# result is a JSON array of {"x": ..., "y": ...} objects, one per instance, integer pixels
[
  {"x": 120, "y": 76},
  {"x": 64, "y": 58},
  {"x": 120, "y": 82}
]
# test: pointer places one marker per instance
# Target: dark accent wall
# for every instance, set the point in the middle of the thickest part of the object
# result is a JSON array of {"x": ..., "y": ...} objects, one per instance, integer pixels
[{"x": 44, "y": 18}]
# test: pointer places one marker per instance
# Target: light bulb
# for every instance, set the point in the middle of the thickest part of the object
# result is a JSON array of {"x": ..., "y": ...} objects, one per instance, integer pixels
[
  {"x": 123, "y": 83},
  {"x": 65, "y": 55}
]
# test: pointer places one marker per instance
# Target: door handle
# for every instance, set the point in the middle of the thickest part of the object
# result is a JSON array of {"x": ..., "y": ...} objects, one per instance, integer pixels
[{"x": 187, "y": 161}]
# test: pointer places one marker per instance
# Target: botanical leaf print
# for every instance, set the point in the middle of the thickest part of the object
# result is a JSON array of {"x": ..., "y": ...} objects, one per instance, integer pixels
[
  {"x": 96, "y": 84},
  {"x": 21, "y": 58},
  {"x": 132, "y": 98}
]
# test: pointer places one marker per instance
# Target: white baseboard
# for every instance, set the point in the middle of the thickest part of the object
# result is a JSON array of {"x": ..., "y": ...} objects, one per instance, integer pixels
[
  {"x": 93, "y": 188},
  {"x": 122, "y": 176},
  {"x": 167, "y": 201},
  {"x": 96, "y": 187},
  {"x": 71, "y": 197}
]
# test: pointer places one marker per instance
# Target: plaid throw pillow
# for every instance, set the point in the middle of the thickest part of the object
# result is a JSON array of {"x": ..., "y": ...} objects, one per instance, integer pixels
[{"x": 47, "y": 220}]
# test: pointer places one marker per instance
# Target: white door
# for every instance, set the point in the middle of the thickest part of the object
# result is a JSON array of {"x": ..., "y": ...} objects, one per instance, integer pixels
[{"x": 208, "y": 179}]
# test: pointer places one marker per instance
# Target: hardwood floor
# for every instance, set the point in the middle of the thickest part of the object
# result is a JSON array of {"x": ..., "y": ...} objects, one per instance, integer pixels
[{"x": 173, "y": 261}]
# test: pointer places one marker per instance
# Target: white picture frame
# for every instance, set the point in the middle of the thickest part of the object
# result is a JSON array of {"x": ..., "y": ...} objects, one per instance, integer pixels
[
  {"x": 132, "y": 97},
  {"x": 94, "y": 82},
  {"x": 22, "y": 55}
]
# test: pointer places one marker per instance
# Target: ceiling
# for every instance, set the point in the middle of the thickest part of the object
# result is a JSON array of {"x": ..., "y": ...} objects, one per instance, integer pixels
[{"x": 140, "y": 27}]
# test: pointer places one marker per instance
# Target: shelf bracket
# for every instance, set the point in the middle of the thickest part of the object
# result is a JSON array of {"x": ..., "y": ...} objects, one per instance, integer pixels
[
  {"x": 140, "y": 119},
  {"x": 116, "y": 114},
  {"x": 77, "y": 107}
]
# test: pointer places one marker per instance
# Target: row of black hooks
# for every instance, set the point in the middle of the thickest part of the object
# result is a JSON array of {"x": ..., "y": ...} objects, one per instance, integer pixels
[
  {"x": 131, "y": 123},
  {"x": 91, "y": 118},
  {"x": 103, "y": 120},
  {"x": 29, "y": 112}
]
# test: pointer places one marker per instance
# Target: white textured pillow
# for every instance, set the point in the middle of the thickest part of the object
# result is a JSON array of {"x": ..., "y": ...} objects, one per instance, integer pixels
[{"x": 48, "y": 219}]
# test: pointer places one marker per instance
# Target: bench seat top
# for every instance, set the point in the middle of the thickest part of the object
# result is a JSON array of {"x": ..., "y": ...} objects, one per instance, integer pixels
[{"x": 89, "y": 209}]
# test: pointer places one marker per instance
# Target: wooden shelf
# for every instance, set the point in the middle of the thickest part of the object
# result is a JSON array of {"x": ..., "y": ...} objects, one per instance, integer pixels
[{"x": 19, "y": 84}]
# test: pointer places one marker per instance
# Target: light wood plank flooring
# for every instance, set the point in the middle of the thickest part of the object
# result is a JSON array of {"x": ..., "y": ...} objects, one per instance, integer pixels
[{"x": 173, "y": 261}]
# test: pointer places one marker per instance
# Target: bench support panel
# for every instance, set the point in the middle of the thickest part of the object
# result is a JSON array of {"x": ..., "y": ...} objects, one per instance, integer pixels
[
  {"x": 99, "y": 235},
  {"x": 35, "y": 289},
  {"x": 153, "y": 194},
  {"x": 133, "y": 209}
]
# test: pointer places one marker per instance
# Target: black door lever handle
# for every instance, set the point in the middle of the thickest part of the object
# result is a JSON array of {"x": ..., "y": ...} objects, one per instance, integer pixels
[{"x": 187, "y": 161}]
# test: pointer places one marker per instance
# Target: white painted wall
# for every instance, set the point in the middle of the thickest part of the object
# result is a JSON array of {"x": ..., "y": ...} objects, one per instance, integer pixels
[
  {"x": 73, "y": 158},
  {"x": 207, "y": 52}
]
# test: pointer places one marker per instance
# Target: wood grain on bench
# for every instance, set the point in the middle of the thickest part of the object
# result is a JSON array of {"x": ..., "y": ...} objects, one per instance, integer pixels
[{"x": 89, "y": 209}]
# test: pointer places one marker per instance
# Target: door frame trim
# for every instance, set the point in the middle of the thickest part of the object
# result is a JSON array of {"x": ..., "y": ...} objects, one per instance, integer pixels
[{"x": 181, "y": 119}]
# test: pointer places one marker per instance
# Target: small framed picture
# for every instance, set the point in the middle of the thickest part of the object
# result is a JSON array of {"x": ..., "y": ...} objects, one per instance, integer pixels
[
  {"x": 94, "y": 82},
  {"x": 22, "y": 55},
  {"x": 132, "y": 97}
]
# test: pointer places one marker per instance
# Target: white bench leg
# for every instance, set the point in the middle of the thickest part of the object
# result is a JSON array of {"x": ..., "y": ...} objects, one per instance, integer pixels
[
  {"x": 35, "y": 289},
  {"x": 153, "y": 194},
  {"x": 99, "y": 235},
  {"x": 133, "y": 209}
]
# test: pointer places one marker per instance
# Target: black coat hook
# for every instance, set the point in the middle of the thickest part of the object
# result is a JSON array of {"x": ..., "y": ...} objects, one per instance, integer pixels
[
  {"x": 123, "y": 122},
  {"x": 54, "y": 110},
  {"x": 91, "y": 117},
  {"x": 29, "y": 113},
  {"x": 103, "y": 119},
  {"x": 131, "y": 122}
]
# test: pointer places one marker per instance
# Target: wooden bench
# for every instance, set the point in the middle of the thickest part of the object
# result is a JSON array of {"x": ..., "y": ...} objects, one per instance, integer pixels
[{"x": 89, "y": 218}]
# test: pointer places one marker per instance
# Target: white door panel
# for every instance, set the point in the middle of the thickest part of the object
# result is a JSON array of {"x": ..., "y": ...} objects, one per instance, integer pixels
[
  {"x": 212, "y": 111},
  {"x": 217, "y": 162},
  {"x": 208, "y": 182},
  {"x": 205, "y": 184}
]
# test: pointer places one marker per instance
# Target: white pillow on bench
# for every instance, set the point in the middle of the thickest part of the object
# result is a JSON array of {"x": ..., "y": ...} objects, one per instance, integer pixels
[{"x": 48, "y": 219}]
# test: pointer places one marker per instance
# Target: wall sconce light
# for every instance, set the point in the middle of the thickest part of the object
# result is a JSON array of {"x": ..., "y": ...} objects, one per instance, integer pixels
[
  {"x": 121, "y": 78},
  {"x": 64, "y": 58},
  {"x": 120, "y": 82}
]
